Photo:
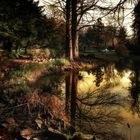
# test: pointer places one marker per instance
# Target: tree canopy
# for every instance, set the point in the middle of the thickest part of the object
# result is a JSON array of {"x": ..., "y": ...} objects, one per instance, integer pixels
[
  {"x": 84, "y": 13},
  {"x": 18, "y": 20}
]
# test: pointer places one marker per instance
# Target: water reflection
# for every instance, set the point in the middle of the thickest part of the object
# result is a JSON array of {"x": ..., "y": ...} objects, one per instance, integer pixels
[
  {"x": 94, "y": 111},
  {"x": 98, "y": 101},
  {"x": 104, "y": 100},
  {"x": 135, "y": 88},
  {"x": 71, "y": 94}
]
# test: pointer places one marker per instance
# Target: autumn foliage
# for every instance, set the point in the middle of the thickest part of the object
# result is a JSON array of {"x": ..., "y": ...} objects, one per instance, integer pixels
[{"x": 49, "y": 103}]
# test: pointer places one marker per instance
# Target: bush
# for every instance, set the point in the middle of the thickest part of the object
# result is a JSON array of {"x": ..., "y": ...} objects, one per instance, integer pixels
[
  {"x": 23, "y": 87},
  {"x": 60, "y": 62},
  {"x": 46, "y": 52}
]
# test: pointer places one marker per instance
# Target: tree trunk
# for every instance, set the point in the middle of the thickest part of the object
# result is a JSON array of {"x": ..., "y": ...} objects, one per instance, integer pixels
[
  {"x": 69, "y": 49},
  {"x": 75, "y": 30},
  {"x": 76, "y": 45},
  {"x": 136, "y": 25}
]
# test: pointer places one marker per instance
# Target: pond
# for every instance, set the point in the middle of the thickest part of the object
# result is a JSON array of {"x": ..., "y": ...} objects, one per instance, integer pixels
[{"x": 103, "y": 101}]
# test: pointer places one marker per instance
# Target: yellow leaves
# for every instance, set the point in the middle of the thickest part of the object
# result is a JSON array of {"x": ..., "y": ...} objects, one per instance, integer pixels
[{"x": 39, "y": 122}]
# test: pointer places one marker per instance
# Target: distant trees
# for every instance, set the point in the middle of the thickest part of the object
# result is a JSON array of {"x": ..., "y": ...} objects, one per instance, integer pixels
[
  {"x": 122, "y": 34},
  {"x": 75, "y": 12},
  {"x": 101, "y": 37},
  {"x": 93, "y": 36},
  {"x": 25, "y": 27},
  {"x": 54, "y": 33},
  {"x": 82, "y": 13},
  {"x": 109, "y": 34}
]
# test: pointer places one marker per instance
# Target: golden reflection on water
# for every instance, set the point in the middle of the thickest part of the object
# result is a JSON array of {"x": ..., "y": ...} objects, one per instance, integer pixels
[
  {"x": 132, "y": 132},
  {"x": 113, "y": 82},
  {"x": 118, "y": 83}
]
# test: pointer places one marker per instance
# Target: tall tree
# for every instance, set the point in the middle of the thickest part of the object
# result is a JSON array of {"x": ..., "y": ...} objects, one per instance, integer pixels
[
  {"x": 136, "y": 26},
  {"x": 69, "y": 50},
  {"x": 82, "y": 13},
  {"x": 75, "y": 29}
]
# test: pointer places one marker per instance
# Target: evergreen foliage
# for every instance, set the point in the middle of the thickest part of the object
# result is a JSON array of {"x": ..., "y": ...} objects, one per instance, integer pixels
[{"x": 18, "y": 21}]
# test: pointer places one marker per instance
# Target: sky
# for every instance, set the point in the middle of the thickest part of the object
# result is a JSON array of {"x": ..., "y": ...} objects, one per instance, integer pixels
[
  {"x": 128, "y": 14},
  {"x": 128, "y": 18}
]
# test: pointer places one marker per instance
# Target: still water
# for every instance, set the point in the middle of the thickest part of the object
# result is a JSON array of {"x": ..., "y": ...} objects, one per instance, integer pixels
[{"x": 104, "y": 100}]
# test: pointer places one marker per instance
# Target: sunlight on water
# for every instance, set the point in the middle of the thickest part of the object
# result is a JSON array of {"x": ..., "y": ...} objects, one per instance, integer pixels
[
  {"x": 86, "y": 84},
  {"x": 118, "y": 82},
  {"x": 112, "y": 87},
  {"x": 125, "y": 79},
  {"x": 132, "y": 132},
  {"x": 107, "y": 97}
]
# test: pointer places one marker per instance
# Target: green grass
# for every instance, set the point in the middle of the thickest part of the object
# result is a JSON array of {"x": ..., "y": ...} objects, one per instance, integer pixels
[
  {"x": 59, "y": 62},
  {"x": 15, "y": 54}
]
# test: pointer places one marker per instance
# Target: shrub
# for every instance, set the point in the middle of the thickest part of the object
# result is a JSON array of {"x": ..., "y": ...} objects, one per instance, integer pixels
[{"x": 60, "y": 62}]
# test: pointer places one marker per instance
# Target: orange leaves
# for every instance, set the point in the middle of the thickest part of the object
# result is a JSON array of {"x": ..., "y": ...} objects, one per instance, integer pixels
[
  {"x": 34, "y": 100},
  {"x": 49, "y": 103}
]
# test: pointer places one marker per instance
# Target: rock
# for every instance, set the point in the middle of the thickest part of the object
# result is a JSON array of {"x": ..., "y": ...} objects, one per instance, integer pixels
[{"x": 26, "y": 133}]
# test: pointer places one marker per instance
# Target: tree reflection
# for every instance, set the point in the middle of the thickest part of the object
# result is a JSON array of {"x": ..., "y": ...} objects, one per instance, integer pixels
[
  {"x": 71, "y": 93},
  {"x": 94, "y": 112},
  {"x": 99, "y": 76},
  {"x": 99, "y": 73},
  {"x": 100, "y": 114},
  {"x": 135, "y": 88},
  {"x": 68, "y": 91}
]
